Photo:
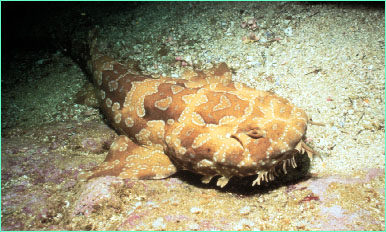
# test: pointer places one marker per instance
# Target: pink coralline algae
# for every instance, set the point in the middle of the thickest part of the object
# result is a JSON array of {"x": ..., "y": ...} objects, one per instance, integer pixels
[
  {"x": 39, "y": 172},
  {"x": 97, "y": 192},
  {"x": 95, "y": 145},
  {"x": 132, "y": 220}
]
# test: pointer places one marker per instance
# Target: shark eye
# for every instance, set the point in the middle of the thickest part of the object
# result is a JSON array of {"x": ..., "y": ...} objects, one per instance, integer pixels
[{"x": 255, "y": 133}]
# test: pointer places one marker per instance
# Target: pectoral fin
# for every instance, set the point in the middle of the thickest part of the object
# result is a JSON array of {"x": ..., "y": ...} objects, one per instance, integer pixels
[{"x": 128, "y": 160}]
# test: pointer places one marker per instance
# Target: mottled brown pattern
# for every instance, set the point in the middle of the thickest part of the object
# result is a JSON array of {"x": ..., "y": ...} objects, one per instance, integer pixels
[{"x": 203, "y": 123}]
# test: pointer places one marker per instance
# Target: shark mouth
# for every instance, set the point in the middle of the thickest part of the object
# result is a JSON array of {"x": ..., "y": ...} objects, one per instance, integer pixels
[{"x": 270, "y": 174}]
